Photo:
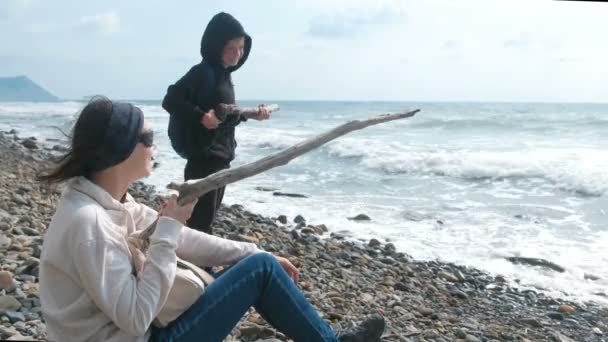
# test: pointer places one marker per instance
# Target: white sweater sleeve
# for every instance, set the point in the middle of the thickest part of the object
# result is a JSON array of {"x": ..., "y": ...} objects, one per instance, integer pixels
[
  {"x": 199, "y": 248},
  {"x": 132, "y": 302},
  {"x": 144, "y": 216},
  {"x": 207, "y": 250}
]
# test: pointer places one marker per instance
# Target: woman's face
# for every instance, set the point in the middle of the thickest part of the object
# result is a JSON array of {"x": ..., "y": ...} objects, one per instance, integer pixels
[
  {"x": 233, "y": 51},
  {"x": 140, "y": 163}
]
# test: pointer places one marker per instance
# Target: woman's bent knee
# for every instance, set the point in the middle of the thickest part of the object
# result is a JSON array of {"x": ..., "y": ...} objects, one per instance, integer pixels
[{"x": 263, "y": 258}]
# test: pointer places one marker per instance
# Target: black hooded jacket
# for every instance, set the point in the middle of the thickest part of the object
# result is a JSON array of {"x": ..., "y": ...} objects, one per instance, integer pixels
[{"x": 189, "y": 98}]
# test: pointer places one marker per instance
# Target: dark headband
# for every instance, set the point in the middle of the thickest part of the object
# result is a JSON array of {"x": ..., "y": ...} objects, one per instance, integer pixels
[{"x": 121, "y": 136}]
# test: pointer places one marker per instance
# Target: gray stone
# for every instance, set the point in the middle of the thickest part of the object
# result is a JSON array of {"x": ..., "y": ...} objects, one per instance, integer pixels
[
  {"x": 30, "y": 231},
  {"x": 532, "y": 322},
  {"x": 425, "y": 311},
  {"x": 299, "y": 219},
  {"x": 459, "y": 294},
  {"x": 556, "y": 315},
  {"x": 448, "y": 276},
  {"x": 30, "y": 143},
  {"x": 8, "y": 331},
  {"x": 367, "y": 298},
  {"x": 286, "y": 194},
  {"x": 259, "y": 331},
  {"x": 374, "y": 243},
  {"x": 20, "y": 337},
  {"x": 557, "y": 337},
  {"x": 460, "y": 333},
  {"x": 472, "y": 338},
  {"x": 15, "y": 316},
  {"x": 360, "y": 217},
  {"x": 4, "y": 215},
  {"x": 20, "y": 200},
  {"x": 9, "y": 303},
  {"x": 5, "y": 242}
]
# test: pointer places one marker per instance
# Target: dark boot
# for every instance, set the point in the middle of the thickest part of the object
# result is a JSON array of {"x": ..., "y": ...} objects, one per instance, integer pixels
[{"x": 369, "y": 331}]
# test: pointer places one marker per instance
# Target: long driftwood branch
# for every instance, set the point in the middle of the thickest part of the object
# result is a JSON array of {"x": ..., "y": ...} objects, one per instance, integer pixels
[{"x": 195, "y": 188}]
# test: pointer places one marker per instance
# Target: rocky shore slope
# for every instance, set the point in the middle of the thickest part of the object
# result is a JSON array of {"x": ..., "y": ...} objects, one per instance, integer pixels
[{"x": 344, "y": 278}]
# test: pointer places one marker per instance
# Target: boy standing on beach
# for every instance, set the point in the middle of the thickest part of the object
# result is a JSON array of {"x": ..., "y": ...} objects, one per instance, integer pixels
[{"x": 199, "y": 135}]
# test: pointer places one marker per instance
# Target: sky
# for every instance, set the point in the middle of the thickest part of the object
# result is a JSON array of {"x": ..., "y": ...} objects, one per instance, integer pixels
[{"x": 372, "y": 50}]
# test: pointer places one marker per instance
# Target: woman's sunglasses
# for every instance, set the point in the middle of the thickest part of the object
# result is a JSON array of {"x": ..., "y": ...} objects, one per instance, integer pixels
[{"x": 146, "y": 138}]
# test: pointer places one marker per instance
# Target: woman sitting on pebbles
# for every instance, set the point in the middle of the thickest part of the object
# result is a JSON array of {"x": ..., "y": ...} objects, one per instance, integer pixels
[{"x": 90, "y": 289}]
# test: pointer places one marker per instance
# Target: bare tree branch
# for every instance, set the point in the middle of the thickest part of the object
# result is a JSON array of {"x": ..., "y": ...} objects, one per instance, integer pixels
[
  {"x": 195, "y": 188},
  {"x": 223, "y": 110}
]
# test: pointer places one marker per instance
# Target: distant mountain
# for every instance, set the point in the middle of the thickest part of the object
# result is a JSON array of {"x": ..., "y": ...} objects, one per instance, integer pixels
[{"x": 21, "y": 88}]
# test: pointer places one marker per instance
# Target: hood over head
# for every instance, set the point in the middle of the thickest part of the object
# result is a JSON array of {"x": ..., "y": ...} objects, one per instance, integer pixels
[{"x": 222, "y": 28}]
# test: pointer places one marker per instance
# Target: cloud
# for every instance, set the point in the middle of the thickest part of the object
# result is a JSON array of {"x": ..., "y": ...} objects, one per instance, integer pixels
[
  {"x": 350, "y": 22},
  {"x": 450, "y": 45},
  {"x": 19, "y": 4},
  {"x": 521, "y": 42},
  {"x": 37, "y": 28},
  {"x": 528, "y": 40},
  {"x": 105, "y": 23},
  {"x": 9, "y": 8}
]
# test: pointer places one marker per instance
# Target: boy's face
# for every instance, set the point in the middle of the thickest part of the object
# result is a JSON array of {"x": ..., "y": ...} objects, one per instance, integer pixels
[{"x": 233, "y": 51}]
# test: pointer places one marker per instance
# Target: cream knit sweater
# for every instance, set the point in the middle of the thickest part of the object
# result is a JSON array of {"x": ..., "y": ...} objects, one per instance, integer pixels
[{"x": 87, "y": 288}]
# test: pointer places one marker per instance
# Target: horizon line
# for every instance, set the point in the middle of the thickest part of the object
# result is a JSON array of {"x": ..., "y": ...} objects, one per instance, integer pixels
[{"x": 84, "y": 98}]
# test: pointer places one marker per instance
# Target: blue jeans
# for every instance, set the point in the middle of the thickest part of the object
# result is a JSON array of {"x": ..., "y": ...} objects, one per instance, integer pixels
[{"x": 258, "y": 281}]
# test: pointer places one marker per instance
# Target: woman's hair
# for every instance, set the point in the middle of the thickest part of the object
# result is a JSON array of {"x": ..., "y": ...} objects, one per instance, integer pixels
[{"x": 86, "y": 137}]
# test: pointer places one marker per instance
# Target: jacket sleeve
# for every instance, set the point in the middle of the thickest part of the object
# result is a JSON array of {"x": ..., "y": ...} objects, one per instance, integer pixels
[
  {"x": 178, "y": 99},
  {"x": 207, "y": 250},
  {"x": 132, "y": 302}
]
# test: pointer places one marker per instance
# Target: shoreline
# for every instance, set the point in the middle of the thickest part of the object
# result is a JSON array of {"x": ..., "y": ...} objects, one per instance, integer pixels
[{"x": 344, "y": 279}]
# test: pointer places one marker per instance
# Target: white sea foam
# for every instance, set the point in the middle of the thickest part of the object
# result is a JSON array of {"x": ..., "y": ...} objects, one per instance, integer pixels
[{"x": 580, "y": 170}]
